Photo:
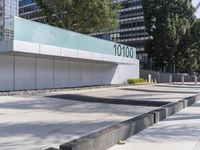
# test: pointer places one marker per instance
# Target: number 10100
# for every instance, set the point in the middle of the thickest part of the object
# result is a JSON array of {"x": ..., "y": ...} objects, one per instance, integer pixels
[{"x": 125, "y": 51}]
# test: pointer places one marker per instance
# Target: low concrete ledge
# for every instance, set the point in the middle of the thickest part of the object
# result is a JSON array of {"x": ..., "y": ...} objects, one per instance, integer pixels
[
  {"x": 159, "y": 114},
  {"x": 108, "y": 137},
  {"x": 172, "y": 108},
  {"x": 165, "y": 111},
  {"x": 190, "y": 100}
]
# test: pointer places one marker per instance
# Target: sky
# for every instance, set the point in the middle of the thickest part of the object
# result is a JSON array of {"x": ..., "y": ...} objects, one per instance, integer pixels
[{"x": 195, "y": 2}]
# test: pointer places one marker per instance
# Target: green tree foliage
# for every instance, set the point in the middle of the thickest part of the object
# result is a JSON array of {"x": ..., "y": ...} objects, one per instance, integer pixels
[
  {"x": 171, "y": 25},
  {"x": 83, "y": 16},
  {"x": 189, "y": 49}
]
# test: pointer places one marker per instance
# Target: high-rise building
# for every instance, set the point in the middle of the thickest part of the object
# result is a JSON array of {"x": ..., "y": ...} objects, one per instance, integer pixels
[
  {"x": 131, "y": 30},
  {"x": 8, "y": 9},
  {"x": 28, "y": 9}
]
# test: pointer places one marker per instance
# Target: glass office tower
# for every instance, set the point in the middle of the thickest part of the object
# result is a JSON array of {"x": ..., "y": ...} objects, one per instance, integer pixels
[{"x": 8, "y": 9}]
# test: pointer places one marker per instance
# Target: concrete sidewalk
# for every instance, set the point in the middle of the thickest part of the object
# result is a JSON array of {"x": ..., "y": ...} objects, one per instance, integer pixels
[{"x": 179, "y": 132}]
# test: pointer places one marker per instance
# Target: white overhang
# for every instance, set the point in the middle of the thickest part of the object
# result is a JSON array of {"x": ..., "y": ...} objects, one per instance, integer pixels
[{"x": 17, "y": 46}]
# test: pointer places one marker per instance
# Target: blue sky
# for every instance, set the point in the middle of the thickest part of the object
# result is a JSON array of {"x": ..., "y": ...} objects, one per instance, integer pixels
[{"x": 195, "y": 2}]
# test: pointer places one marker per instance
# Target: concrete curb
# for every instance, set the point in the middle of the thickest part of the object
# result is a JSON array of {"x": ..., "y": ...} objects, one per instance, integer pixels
[
  {"x": 104, "y": 139},
  {"x": 108, "y": 137},
  {"x": 172, "y": 108}
]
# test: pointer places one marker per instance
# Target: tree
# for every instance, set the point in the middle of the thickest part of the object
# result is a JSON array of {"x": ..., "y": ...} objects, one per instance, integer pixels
[
  {"x": 81, "y": 16},
  {"x": 168, "y": 23},
  {"x": 189, "y": 49}
]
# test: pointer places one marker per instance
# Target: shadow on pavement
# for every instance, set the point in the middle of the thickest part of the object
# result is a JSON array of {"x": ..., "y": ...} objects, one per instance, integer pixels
[{"x": 110, "y": 100}]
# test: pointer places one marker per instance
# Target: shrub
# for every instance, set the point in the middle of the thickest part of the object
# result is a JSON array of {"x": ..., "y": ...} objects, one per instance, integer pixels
[{"x": 136, "y": 81}]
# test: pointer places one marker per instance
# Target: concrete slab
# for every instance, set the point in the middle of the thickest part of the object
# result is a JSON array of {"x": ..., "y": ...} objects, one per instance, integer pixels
[
  {"x": 159, "y": 92},
  {"x": 39, "y": 122},
  {"x": 180, "y": 131},
  {"x": 33, "y": 123}
]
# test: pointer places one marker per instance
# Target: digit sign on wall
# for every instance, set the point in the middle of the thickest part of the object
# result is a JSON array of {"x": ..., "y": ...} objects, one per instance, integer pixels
[{"x": 124, "y": 51}]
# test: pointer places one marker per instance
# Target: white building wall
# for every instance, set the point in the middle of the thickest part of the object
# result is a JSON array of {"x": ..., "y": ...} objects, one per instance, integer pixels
[
  {"x": 33, "y": 72},
  {"x": 87, "y": 74},
  {"x": 24, "y": 73},
  {"x": 6, "y": 72},
  {"x": 44, "y": 73},
  {"x": 61, "y": 73},
  {"x": 75, "y": 73},
  {"x": 108, "y": 73},
  {"x": 97, "y": 74}
]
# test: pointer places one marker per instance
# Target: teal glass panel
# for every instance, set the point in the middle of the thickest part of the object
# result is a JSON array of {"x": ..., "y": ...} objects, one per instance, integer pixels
[
  {"x": 29, "y": 31},
  {"x": 95, "y": 45}
]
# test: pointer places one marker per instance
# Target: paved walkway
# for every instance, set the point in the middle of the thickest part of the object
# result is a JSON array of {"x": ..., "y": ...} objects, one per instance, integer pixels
[
  {"x": 179, "y": 132},
  {"x": 38, "y": 122},
  {"x": 159, "y": 92},
  {"x": 33, "y": 123}
]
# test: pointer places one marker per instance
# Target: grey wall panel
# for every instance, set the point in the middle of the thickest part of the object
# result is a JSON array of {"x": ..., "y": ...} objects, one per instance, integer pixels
[
  {"x": 118, "y": 77},
  {"x": 27, "y": 72},
  {"x": 6, "y": 72},
  {"x": 132, "y": 71},
  {"x": 128, "y": 75},
  {"x": 123, "y": 72},
  {"x": 44, "y": 73},
  {"x": 60, "y": 73},
  {"x": 98, "y": 73},
  {"x": 24, "y": 73},
  {"x": 87, "y": 74},
  {"x": 108, "y": 73},
  {"x": 75, "y": 73},
  {"x": 115, "y": 76}
]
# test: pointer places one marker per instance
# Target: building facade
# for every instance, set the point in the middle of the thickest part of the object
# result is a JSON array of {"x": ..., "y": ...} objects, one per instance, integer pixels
[
  {"x": 28, "y": 9},
  {"x": 131, "y": 29},
  {"x": 8, "y": 9},
  {"x": 40, "y": 56}
]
